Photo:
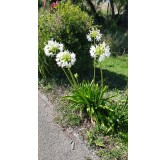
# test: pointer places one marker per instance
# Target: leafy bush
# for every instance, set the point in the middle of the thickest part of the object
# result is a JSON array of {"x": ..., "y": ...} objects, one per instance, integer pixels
[{"x": 68, "y": 25}]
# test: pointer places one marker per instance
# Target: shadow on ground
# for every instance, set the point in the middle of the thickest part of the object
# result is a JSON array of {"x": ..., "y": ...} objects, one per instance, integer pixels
[{"x": 111, "y": 79}]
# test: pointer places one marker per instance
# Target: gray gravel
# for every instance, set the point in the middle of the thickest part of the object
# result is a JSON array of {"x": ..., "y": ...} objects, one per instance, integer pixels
[{"x": 53, "y": 142}]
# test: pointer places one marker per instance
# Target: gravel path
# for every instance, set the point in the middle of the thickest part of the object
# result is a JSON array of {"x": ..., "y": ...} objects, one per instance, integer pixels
[{"x": 53, "y": 142}]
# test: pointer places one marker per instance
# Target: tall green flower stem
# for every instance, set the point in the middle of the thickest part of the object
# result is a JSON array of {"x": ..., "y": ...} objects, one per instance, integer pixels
[
  {"x": 94, "y": 64},
  {"x": 94, "y": 72},
  {"x": 74, "y": 81},
  {"x": 67, "y": 76},
  {"x": 101, "y": 73}
]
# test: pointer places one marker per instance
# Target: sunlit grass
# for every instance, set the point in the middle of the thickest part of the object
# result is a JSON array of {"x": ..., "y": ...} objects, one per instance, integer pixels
[{"x": 118, "y": 64}]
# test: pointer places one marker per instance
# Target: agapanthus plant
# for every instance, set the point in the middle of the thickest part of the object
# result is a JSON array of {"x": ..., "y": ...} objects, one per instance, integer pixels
[
  {"x": 88, "y": 97},
  {"x": 93, "y": 35},
  {"x": 52, "y": 47}
]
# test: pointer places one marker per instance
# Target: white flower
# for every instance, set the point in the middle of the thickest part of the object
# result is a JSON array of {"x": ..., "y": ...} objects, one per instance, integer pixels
[
  {"x": 60, "y": 46},
  {"x": 98, "y": 37},
  {"x": 94, "y": 34},
  {"x": 65, "y": 59},
  {"x": 101, "y": 58},
  {"x": 100, "y": 51},
  {"x": 92, "y": 51},
  {"x": 52, "y": 47},
  {"x": 88, "y": 37}
]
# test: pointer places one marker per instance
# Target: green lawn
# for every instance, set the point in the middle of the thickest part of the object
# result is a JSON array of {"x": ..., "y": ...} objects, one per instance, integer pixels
[
  {"x": 115, "y": 71},
  {"x": 118, "y": 64}
]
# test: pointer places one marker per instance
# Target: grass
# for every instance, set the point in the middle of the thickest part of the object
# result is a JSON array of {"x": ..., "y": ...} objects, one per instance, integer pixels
[
  {"x": 118, "y": 64},
  {"x": 115, "y": 70},
  {"x": 107, "y": 146}
]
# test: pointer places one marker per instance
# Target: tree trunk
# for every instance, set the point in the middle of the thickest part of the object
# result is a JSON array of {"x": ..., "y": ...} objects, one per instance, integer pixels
[
  {"x": 112, "y": 7},
  {"x": 91, "y": 6}
]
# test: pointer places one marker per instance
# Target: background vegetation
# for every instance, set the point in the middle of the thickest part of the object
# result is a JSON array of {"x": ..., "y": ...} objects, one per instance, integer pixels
[{"x": 68, "y": 25}]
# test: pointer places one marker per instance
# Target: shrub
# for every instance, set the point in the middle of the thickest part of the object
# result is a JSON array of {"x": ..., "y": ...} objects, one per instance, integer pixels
[{"x": 68, "y": 25}]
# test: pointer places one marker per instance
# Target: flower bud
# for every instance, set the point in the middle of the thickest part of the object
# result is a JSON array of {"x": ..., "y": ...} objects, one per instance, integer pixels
[{"x": 76, "y": 75}]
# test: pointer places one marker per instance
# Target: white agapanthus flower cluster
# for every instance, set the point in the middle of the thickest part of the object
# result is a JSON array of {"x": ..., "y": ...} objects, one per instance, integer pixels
[
  {"x": 52, "y": 47},
  {"x": 100, "y": 51},
  {"x": 94, "y": 34},
  {"x": 65, "y": 59}
]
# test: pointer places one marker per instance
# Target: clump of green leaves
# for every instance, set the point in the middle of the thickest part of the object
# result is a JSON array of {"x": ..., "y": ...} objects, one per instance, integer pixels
[{"x": 89, "y": 99}]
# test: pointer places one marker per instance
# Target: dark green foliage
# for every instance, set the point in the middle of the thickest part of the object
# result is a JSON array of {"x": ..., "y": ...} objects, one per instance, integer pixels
[
  {"x": 89, "y": 99},
  {"x": 116, "y": 35},
  {"x": 68, "y": 25},
  {"x": 119, "y": 43},
  {"x": 40, "y": 3}
]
